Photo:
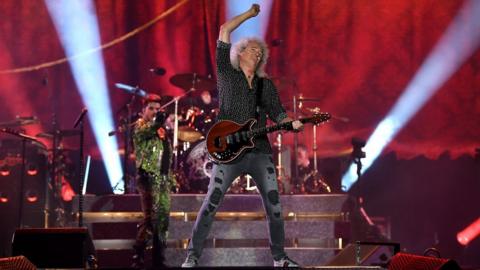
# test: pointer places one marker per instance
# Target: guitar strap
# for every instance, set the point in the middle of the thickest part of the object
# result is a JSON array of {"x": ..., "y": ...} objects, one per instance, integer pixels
[{"x": 259, "y": 98}]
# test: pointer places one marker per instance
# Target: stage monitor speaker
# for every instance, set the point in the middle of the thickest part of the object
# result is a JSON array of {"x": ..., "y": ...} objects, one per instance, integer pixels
[
  {"x": 404, "y": 261},
  {"x": 54, "y": 247},
  {"x": 365, "y": 254},
  {"x": 14, "y": 263}
]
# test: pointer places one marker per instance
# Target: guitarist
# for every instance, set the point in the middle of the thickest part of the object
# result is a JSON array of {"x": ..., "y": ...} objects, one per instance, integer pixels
[{"x": 245, "y": 93}]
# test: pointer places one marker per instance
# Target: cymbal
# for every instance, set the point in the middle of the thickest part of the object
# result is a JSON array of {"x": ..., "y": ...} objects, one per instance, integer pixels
[
  {"x": 308, "y": 99},
  {"x": 189, "y": 134},
  {"x": 61, "y": 133},
  {"x": 20, "y": 121},
  {"x": 188, "y": 81},
  {"x": 313, "y": 109}
]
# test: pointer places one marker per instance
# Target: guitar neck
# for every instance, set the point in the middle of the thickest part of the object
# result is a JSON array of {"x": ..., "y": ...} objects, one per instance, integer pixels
[{"x": 272, "y": 128}]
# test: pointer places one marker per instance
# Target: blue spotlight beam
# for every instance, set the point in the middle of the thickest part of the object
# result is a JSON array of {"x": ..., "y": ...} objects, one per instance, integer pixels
[
  {"x": 458, "y": 43},
  {"x": 254, "y": 27},
  {"x": 77, "y": 27}
]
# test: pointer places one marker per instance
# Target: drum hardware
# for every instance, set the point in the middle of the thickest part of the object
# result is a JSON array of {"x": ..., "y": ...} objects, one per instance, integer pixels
[
  {"x": 315, "y": 166},
  {"x": 282, "y": 178},
  {"x": 59, "y": 133},
  {"x": 188, "y": 81},
  {"x": 20, "y": 121},
  {"x": 196, "y": 167},
  {"x": 317, "y": 110},
  {"x": 189, "y": 134},
  {"x": 298, "y": 101}
]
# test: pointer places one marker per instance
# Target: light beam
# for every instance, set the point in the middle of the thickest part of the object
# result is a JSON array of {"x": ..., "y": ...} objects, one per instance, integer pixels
[{"x": 77, "y": 27}]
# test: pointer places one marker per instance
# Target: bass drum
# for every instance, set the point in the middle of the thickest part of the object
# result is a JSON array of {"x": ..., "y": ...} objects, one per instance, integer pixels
[{"x": 197, "y": 167}]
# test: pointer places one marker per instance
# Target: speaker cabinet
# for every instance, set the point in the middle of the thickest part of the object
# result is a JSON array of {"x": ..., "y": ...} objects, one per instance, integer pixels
[
  {"x": 33, "y": 198},
  {"x": 404, "y": 261},
  {"x": 365, "y": 254},
  {"x": 54, "y": 247},
  {"x": 14, "y": 263}
]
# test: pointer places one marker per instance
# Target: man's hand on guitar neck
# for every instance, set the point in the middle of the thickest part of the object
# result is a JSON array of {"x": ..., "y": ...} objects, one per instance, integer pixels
[{"x": 296, "y": 125}]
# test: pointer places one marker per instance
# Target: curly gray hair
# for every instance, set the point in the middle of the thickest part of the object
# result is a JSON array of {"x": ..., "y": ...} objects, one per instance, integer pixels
[{"x": 239, "y": 46}]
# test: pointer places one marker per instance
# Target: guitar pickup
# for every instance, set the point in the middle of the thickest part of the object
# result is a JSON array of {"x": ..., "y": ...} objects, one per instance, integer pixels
[
  {"x": 244, "y": 136},
  {"x": 217, "y": 142},
  {"x": 237, "y": 137}
]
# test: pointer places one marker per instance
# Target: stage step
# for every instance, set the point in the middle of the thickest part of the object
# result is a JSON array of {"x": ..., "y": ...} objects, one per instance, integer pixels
[{"x": 316, "y": 228}]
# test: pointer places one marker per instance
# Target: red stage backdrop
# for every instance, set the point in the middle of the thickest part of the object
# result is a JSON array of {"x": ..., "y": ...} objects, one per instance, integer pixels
[{"x": 356, "y": 57}]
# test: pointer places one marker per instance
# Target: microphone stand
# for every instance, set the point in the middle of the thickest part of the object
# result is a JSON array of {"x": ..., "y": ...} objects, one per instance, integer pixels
[
  {"x": 127, "y": 125},
  {"x": 357, "y": 155},
  {"x": 126, "y": 145},
  {"x": 175, "y": 127},
  {"x": 79, "y": 122},
  {"x": 24, "y": 138}
]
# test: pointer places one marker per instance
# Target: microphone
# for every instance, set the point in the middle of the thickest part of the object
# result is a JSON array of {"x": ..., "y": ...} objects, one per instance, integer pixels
[
  {"x": 158, "y": 71},
  {"x": 132, "y": 90},
  {"x": 80, "y": 117}
]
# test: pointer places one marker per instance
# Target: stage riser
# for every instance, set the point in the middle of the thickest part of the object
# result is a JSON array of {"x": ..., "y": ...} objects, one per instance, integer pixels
[
  {"x": 239, "y": 203},
  {"x": 111, "y": 244},
  {"x": 224, "y": 230}
]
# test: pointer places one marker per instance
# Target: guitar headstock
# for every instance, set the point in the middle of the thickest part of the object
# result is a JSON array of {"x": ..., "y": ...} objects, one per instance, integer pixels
[{"x": 320, "y": 117}]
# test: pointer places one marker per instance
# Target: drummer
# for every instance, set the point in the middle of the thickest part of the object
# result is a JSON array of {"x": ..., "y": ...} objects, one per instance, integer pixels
[
  {"x": 198, "y": 112},
  {"x": 202, "y": 111},
  {"x": 305, "y": 168}
]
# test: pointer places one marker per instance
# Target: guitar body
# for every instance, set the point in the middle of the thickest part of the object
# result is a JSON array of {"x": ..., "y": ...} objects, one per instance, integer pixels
[{"x": 225, "y": 141}]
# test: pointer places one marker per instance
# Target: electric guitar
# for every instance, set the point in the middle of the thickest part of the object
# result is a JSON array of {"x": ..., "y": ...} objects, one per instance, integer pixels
[{"x": 227, "y": 140}]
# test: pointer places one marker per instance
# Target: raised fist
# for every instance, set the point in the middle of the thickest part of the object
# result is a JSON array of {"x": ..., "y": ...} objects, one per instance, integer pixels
[{"x": 254, "y": 10}]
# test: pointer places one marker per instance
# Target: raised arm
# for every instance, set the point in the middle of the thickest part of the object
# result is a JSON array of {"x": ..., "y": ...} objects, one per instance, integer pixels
[{"x": 232, "y": 24}]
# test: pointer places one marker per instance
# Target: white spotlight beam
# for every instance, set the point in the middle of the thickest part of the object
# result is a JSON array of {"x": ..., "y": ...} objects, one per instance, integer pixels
[
  {"x": 77, "y": 27},
  {"x": 458, "y": 43},
  {"x": 254, "y": 27}
]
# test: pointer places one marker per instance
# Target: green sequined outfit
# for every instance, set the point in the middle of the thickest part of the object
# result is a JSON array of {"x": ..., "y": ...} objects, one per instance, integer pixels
[{"x": 154, "y": 182}]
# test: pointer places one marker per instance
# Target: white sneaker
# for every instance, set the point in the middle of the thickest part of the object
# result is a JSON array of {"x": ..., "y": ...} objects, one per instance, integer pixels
[
  {"x": 285, "y": 262},
  {"x": 190, "y": 262}
]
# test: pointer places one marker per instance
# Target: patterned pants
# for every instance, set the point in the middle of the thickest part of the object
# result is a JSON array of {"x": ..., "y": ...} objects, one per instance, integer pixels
[
  {"x": 262, "y": 169},
  {"x": 155, "y": 201}
]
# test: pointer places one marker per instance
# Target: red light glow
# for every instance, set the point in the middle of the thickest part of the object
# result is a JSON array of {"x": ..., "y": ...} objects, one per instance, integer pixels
[
  {"x": 469, "y": 233},
  {"x": 32, "y": 197}
]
